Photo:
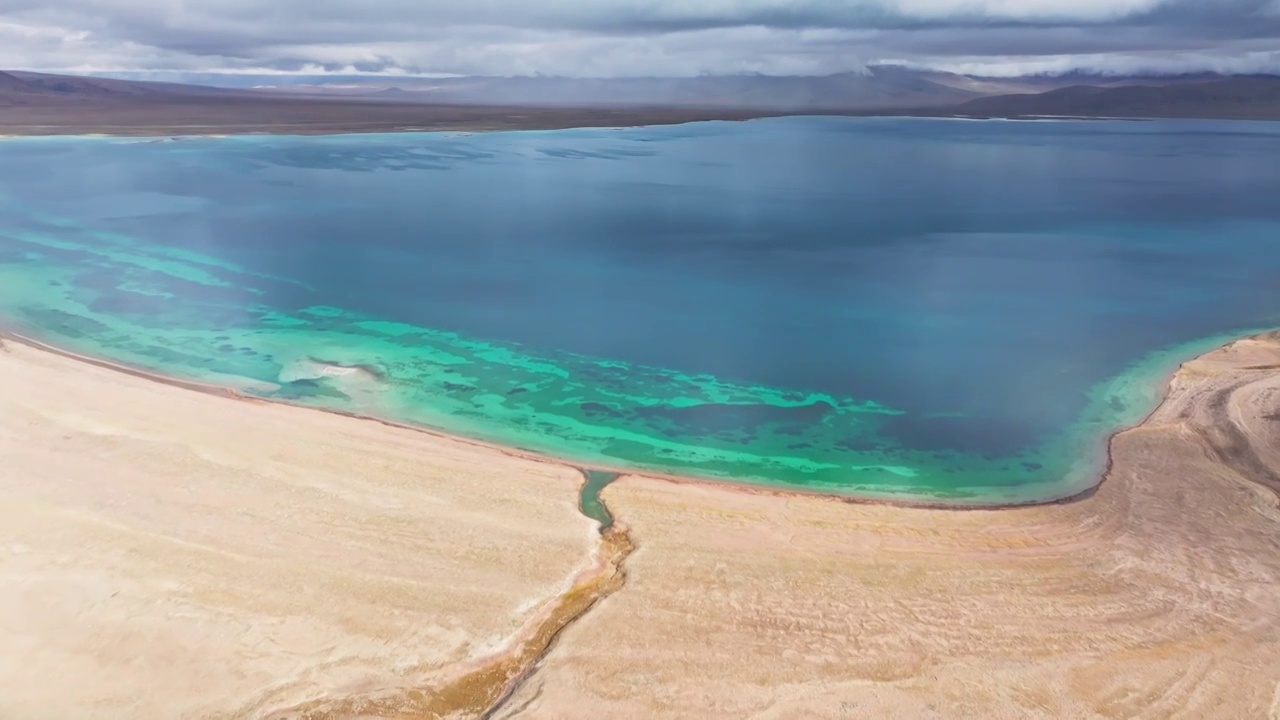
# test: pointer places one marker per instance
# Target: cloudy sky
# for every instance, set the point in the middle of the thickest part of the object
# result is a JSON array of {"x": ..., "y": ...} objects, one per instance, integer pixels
[{"x": 604, "y": 38}]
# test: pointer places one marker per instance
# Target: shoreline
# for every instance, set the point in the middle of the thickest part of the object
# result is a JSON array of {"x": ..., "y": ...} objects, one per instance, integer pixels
[
  {"x": 1154, "y": 598},
  {"x": 160, "y": 133},
  {"x": 584, "y": 469},
  {"x": 167, "y": 547},
  {"x": 291, "y": 116},
  {"x": 146, "y": 135}
]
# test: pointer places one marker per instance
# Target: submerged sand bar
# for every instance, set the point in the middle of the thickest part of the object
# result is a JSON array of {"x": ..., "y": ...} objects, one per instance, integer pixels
[{"x": 179, "y": 554}]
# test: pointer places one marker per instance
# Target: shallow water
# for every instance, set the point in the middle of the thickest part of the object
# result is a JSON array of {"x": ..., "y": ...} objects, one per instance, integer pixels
[
  {"x": 931, "y": 309},
  {"x": 590, "y": 502}
]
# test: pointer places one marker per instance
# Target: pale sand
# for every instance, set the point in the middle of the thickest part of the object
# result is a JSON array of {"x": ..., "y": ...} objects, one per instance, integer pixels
[
  {"x": 1159, "y": 597},
  {"x": 171, "y": 554}
]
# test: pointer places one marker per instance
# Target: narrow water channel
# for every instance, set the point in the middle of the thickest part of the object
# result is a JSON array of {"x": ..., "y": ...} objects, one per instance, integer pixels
[{"x": 589, "y": 498}]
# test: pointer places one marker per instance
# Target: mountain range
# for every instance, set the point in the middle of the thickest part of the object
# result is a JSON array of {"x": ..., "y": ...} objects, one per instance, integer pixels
[
  {"x": 1239, "y": 98},
  {"x": 43, "y": 103}
]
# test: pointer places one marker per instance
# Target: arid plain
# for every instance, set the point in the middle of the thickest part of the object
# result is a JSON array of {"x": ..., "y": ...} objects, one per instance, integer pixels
[{"x": 189, "y": 554}]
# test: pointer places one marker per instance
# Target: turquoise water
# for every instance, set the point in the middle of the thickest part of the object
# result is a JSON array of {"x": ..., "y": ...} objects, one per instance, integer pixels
[
  {"x": 928, "y": 309},
  {"x": 590, "y": 503}
]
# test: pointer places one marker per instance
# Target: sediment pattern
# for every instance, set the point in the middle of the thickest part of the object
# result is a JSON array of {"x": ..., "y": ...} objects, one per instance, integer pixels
[{"x": 480, "y": 690}]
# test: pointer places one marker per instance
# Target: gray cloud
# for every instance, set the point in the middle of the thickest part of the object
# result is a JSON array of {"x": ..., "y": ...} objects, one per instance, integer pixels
[{"x": 640, "y": 37}]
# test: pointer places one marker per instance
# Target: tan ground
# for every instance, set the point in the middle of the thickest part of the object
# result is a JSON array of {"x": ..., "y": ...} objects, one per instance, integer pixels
[
  {"x": 167, "y": 554},
  {"x": 171, "y": 554},
  {"x": 1159, "y": 597}
]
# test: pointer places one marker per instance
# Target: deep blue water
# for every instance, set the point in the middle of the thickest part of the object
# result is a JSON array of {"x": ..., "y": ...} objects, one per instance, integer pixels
[{"x": 922, "y": 307}]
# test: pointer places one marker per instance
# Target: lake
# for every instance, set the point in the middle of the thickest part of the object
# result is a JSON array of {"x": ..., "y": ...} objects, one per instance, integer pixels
[{"x": 942, "y": 310}]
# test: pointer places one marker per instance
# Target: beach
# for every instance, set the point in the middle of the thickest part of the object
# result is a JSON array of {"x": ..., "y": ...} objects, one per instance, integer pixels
[
  {"x": 184, "y": 552},
  {"x": 1154, "y": 597},
  {"x": 181, "y": 554}
]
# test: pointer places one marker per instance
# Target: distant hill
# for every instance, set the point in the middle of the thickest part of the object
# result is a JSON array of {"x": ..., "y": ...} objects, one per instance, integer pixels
[
  {"x": 884, "y": 87},
  {"x": 43, "y": 104},
  {"x": 877, "y": 88},
  {"x": 10, "y": 82},
  {"x": 1243, "y": 98},
  {"x": 28, "y": 88},
  {"x": 880, "y": 87}
]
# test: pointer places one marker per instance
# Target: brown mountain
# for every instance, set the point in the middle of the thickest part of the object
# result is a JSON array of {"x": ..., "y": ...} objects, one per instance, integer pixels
[
  {"x": 1242, "y": 98},
  {"x": 36, "y": 103},
  {"x": 39, "y": 89},
  {"x": 41, "y": 104},
  {"x": 10, "y": 83}
]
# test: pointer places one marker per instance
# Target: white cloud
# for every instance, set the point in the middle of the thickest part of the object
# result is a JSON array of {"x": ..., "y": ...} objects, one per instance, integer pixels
[
  {"x": 259, "y": 17},
  {"x": 1258, "y": 62},
  {"x": 1023, "y": 10},
  {"x": 624, "y": 37}
]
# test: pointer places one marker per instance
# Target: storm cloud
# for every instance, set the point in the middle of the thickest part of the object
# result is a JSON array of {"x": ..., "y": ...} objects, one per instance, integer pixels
[{"x": 604, "y": 38}]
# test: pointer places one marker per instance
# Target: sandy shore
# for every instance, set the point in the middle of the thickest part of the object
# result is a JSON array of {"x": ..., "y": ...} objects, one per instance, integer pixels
[
  {"x": 166, "y": 553},
  {"x": 184, "y": 554},
  {"x": 1157, "y": 597}
]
